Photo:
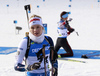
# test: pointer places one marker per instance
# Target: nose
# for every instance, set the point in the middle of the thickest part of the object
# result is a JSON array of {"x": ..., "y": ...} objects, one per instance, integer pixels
[{"x": 35, "y": 29}]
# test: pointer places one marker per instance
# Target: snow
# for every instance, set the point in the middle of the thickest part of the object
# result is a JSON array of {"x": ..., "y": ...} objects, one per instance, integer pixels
[
  {"x": 86, "y": 21},
  {"x": 65, "y": 68}
]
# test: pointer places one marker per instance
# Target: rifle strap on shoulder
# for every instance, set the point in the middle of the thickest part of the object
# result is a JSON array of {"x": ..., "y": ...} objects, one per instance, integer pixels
[
  {"x": 29, "y": 43},
  {"x": 28, "y": 46}
]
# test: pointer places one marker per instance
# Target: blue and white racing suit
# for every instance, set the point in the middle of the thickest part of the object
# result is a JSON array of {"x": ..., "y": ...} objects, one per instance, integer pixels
[{"x": 32, "y": 58}]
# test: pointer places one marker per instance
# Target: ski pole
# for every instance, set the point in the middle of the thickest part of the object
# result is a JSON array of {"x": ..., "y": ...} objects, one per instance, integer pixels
[
  {"x": 52, "y": 53},
  {"x": 91, "y": 54},
  {"x": 85, "y": 56},
  {"x": 43, "y": 51},
  {"x": 77, "y": 33}
]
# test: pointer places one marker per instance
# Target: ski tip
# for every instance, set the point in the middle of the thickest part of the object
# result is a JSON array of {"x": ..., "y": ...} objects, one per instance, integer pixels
[{"x": 84, "y": 56}]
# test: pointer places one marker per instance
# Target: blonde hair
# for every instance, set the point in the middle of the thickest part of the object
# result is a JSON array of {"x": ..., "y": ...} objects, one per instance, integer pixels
[{"x": 35, "y": 16}]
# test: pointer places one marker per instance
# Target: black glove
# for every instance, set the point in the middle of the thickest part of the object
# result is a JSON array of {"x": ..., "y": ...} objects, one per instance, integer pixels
[
  {"x": 70, "y": 19},
  {"x": 20, "y": 67},
  {"x": 55, "y": 68},
  {"x": 33, "y": 66},
  {"x": 68, "y": 27},
  {"x": 56, "y": 72},
  {"x": 71, "y": 30}
]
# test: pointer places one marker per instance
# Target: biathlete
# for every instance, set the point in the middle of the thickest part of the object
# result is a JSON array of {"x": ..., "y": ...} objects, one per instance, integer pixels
[
  {"x": 35, "y": 62},
  {"x": 64, "y": 30}
]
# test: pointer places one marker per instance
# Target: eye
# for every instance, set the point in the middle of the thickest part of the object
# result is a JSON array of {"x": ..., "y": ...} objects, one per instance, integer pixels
[
  {"x": 38, "y": 26},
  {"x": 32, "y": 27}
]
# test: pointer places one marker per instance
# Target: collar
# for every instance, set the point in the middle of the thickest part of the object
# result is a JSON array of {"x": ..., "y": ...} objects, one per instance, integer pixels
[{"x": 36, "y": 39}]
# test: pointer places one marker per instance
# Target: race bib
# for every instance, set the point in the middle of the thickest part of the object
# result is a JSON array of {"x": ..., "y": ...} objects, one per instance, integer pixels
[{"x": 62, "y": 32}]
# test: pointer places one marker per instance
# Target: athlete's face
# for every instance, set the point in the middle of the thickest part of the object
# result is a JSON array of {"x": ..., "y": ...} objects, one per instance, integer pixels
[{"x": 36, "y": 30}]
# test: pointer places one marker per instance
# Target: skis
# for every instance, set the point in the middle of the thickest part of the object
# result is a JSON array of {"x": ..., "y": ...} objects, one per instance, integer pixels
[
  {"x": 65, "y": 59},
  {"x": 93, "y": 54}
]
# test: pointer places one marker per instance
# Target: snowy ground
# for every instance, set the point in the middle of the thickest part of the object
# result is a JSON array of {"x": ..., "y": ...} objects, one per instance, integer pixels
[{"x": 66, "y": 68}]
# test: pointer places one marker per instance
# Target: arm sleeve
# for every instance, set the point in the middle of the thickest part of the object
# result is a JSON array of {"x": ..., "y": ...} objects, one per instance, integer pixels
[
  {"x": 55, "y": 56},
  {"x": 21, "y": 51},
  {"x": 68, "y": 27}
]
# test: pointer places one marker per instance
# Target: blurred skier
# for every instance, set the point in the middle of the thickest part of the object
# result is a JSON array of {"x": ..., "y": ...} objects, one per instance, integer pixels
[
  {"x": 33, "y": 54},
  {"x": 64, "y": 30}
]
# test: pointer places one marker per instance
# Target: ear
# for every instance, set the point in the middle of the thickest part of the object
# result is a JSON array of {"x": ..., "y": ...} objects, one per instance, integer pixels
[{"x": 42, "y": 28}]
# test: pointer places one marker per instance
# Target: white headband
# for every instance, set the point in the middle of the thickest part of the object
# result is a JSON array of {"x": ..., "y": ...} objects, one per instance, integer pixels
[{"x": 35, "y": 21}]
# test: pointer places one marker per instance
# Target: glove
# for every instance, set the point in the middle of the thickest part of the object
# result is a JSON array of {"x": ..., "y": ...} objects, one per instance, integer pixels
[
  {"x": 55, "y": 71},
  {"x": 20, "y": 67},
  {"x": 72, "y": 29},
  {"x": 33, "y": 66},
  {"x": 70, "y": 19},
  {"x": 55, "y": 68}
]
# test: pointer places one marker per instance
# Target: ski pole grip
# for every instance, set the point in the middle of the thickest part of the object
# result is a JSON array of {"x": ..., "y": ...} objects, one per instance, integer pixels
[
  {"x": 43, "y": 50},
  {"x": 44, "y": 46},
  {"x": 51, "y": 47}
]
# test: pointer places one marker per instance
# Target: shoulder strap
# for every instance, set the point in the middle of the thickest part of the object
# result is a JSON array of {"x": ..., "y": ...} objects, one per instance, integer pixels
[
  {"x": 28, "y": 46},
  {"x": 48, "y": 39}
]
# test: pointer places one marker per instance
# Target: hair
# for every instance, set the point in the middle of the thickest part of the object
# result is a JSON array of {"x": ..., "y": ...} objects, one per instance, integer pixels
[
  {"x": 35, "y": 16},
  {"x": 62, "y": 13}
]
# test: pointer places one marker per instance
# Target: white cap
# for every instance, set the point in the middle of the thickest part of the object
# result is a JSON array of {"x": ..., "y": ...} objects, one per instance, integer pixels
[{"x": 35, "y": 21}]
